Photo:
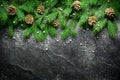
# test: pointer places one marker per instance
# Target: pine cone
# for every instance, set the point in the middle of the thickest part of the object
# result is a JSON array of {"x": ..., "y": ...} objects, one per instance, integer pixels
[
  {"x": 40, "y": 9},
  {"x": 11, "y": 10},
  {"x": 29, "y": 19},
  {"x": 110, "y": 13},
  {"x": 77, "y": 5},
  {"x": 55, "y": 23},
  {"x": 92, "y": 20}
]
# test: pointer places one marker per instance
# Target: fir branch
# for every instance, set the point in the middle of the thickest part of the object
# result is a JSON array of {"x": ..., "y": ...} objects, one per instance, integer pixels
[
  {"x": 42, "y": 26},
  {"x": 27, "y": 32},
  {"x": 3, "y": 16},
  {"x": 85, "y": 3},
  {"x": 35, "y": 32},
  {"x": 11, "y": 31},
  {"x": 61, "y": 10},
  {"x": 67, "y": 11},
  {"x": 50, "y": 3},
  {"x": 116, "y": 6},
  {"x": 20, "y": 15},
  {"x": 28, "y": 7},
  {"x": 75, "y": 16},
  {"x": 3, "y": 4},
  {"x": 67, "y": 2},
  {"x": 42, "y": 36},
  {"x": 52, "y": 31},
  {"x": 37, "y": 16},
  {"x": 15, "y": 21},
  {"x": 101, "y": 11},
  {"x": 38, "y": 22},
  {"x": 71, "y": 24},
  {"x": 99, "y": 26},
  {"x": 65, "y": 34},
  {"x": 18, "y": 1},
  {"x": 51, "y": 17},
  {"x": 69, "y": 30},
  {"x": 93, "y": 2},
  {"x": 83, "y": 19},
  {"x": 112, "y": 29},
  {"x": 35, "y": 3},
  {"x": 62, "y": 20},
  {"x": 73, "y": 32}
]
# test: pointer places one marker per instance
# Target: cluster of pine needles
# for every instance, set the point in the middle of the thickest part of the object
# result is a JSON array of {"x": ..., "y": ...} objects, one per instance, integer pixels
[{"x": 61, "y": 10}]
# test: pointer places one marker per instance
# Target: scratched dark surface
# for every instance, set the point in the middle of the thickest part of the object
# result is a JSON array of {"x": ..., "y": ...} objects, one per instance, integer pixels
[{"x": 82, "y": 58}]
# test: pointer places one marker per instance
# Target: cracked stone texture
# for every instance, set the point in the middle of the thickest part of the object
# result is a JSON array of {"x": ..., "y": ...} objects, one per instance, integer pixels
[{"x": 82, "y": 58}]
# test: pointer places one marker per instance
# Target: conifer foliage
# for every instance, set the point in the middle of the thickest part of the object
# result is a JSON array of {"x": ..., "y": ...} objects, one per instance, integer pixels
[{"x": 43, "y": 17}]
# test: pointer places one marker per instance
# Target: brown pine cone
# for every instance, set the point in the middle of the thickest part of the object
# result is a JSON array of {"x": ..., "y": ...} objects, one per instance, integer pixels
[
  {"x": 11, "y": 10},
  {"x": 92, "y": 20},
  {"x": 55, "y": 23},
  {"x": 110, "y": 13},
  {"x": 40, "y": 9},
  {"x": 29, "y": 19},
  {"x": 77, "y": 5}
]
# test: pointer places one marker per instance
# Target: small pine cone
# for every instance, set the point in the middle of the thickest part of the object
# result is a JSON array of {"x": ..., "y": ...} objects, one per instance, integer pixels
[
  {"x": 110, "y": 13},
  {"x": 92, "y": 20},
  {"x": 77, "y": 5},
  {"x": 11, "y": 10},
  {"x": 40, "y": 9},
  {"x": 55, "y": 23},
  {"x": 29, "y": 19}
]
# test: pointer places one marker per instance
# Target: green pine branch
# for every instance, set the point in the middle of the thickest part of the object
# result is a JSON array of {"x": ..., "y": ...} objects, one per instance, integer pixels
[
  {"x": 73, "y": 32},
  {"x": 70, "y": 30},
  {"x": 27, "y": 7},
  {"x": 3, "y": 16},
  {"x": 61, "y": 10},
  {"x": 67, "y": 11},
  {"x": 112, "y": 29},
  {"x": 99, "y": 26},
  {"x": 20, "y": 15},
  {"x": 11, "y": 31},
  {"x": 52, "y": 31},
  {"x": 62, "y": 20},
  {"x": 67, "y": 2},
  {"x": 35, "y": 32},
  {"x": 83, "y": 19},
  {"x": 27, "y": 32},
  {"x": 50, "y": 3},
  {"x": 65, "y": 34},
  {"x": 43, "y": 35},
  {"x": 51, "y": 17},
  {"x": 42, "y": 26},
  {"x": 85, "y": 3},
  {"x": 100, "y": 13},
  {"x": 93, "y": 2}
]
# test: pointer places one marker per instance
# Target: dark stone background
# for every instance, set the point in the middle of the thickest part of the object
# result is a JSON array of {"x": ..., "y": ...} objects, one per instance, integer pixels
[{"x": 82, "y": 58}]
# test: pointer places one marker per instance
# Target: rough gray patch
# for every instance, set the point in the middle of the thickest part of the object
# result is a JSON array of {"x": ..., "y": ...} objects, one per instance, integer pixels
[{"x": 82, "y": 58}]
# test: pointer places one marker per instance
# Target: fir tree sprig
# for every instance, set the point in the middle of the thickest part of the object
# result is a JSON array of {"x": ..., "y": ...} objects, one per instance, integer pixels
[
  {"x": 99, "y": 26},
  {"x": 63, "y": 11},
  {"x": 112, "y": 28}
]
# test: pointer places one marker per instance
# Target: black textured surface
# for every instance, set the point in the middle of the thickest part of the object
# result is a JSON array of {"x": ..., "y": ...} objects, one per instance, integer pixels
[{"x": 82, "y": 58}]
